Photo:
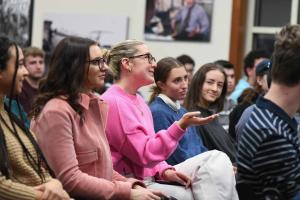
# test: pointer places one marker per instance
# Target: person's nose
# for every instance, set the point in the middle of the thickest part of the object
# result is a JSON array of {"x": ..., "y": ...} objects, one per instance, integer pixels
[
  {"x": 25, "y": 71},
  {"x": 215, "y": 87},
  {"x": 154, "y": 64},
  {"x": 185, "y": 84}
]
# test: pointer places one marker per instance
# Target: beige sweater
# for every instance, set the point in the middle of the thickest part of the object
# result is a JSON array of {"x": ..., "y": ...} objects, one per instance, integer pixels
[{"x": 23, "y": 177}]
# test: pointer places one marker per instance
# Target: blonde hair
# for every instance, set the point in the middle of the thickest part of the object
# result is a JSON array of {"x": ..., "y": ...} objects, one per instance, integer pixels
[{"x": 123, "y": 49}]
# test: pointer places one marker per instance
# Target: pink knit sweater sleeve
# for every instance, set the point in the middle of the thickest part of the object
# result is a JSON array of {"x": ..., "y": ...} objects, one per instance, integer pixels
[{"x": 55, "y": 137}]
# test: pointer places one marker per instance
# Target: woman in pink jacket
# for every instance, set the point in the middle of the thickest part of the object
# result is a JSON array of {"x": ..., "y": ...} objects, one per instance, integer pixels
[
  {"x": 139, "y": 152},
  {"x": 69, "y": 121}
]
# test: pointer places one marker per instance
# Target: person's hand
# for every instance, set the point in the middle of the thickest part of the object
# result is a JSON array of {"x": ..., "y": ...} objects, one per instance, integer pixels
[
  {"x": 178, "y": 177},
  {"x": 141, "y": 193},
  {"x": 52, "y": 190},
  {"x": 192, "y": 118},
  {"x": 195, "y": 32}
]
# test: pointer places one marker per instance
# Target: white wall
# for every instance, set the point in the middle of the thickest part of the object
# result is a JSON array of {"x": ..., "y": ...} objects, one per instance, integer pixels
[{"x": 217, "y": 48}]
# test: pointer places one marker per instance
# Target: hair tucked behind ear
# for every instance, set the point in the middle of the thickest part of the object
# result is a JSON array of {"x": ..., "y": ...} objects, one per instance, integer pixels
[
  {"x": 121, "y": 50},
  {"x": 66, "y": 75},
  {"x": 194, "y": 99}
]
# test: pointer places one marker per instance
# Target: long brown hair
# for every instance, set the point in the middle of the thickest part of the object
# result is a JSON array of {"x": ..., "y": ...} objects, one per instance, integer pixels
[
  {"x": 66, "y": 75},
  {"x": 194, "y": 95},
  {"x": 161, "y": 73}
]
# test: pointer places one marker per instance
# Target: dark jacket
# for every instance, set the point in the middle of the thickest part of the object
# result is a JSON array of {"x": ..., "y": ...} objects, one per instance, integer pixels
[{"x": 214, "y": 136}]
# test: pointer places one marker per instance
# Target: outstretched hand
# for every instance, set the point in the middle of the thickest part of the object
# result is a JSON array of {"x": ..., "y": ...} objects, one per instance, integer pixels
[
  {"x": 171, "y": 175},
  {"x": 193, "y": 118}
]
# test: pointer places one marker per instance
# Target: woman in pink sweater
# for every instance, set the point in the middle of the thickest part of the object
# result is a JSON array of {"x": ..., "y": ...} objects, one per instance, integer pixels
[
  {"x": 69, "y": 121},
  {"x": 140, "y": 153}
]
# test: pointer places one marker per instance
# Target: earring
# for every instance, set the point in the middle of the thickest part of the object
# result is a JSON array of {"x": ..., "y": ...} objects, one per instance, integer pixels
[{"x": 129, "y": 69}]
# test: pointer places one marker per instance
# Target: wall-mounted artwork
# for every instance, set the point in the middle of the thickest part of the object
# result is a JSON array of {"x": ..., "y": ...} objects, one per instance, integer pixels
[
  {"x": 178, "y": 20},
  {"x": 16, "y": 20},
  {"x": 105, "y": 29}
]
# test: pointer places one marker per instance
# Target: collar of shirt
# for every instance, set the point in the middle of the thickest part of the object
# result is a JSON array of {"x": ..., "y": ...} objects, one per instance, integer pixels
[
  {"x": 174, "y": 105},
  {"x": 269, "y": 105},
  {"x": 86, "y": 99}
]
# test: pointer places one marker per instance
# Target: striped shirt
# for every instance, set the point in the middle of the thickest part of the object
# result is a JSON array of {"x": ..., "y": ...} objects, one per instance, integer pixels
[{"x": 269, "y": 153}]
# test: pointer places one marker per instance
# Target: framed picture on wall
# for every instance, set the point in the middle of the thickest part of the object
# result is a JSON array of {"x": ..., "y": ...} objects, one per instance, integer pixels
[
  {"x": 178, "y": 20},
  {"x": 105, "y": 29},
  {"x": 16, "y": 20}
]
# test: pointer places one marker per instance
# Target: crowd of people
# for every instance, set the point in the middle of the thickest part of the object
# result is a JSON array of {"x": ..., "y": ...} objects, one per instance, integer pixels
[{"x": 198, "y": 138}]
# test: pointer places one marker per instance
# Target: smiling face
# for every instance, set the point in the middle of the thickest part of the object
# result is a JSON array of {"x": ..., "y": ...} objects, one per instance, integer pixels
[
  {"x": 176, "y": 84},
  {"x": 212, "y": 86},
  {"x": 140, "y": 68},
  {"x": 6, "y": 75},
  {"x": 96, "y": 69}
]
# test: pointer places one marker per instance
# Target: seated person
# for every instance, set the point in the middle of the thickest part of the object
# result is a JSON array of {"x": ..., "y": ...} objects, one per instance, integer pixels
[
  {"x": 22, "y": 172},
  {"x": 249, "y": 97},
  {"x": 140, "y": 152},
  {"x": 268, "y": 148},
  {"x": 206, "y": 94},
  {"x": 229, "y": 104},
  {"x": 69, "y": 121},
  {"x": 171, "y": 81}
]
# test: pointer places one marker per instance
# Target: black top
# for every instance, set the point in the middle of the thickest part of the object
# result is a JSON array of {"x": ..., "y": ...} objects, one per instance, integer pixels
[{"x": 214, "y": 136}]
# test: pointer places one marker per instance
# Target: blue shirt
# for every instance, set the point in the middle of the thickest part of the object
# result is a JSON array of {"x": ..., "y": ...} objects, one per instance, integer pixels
[
  {"x": 269, "y": 152},
  {"x": 239, "y": 88},
  {"x": 189, "y": 145},
  {"x": 198, "y": 19}
]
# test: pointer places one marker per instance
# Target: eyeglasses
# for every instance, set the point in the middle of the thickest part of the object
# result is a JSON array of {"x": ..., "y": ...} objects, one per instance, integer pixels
[
  {"x": 150, "y": 58},
  {"x": 100, "y": 62}
]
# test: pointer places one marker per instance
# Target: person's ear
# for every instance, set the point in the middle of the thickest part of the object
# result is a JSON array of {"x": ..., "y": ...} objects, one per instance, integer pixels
[
  {"x": 259, "y": 80},
  {"x": 125, "y": 64},
  {"x": 161, "y": 85},
  {"x": 249, "y": 71}
]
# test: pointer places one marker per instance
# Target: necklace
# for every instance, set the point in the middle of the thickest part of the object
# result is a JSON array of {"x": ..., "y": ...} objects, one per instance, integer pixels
[{"x": 139, "y": 108}]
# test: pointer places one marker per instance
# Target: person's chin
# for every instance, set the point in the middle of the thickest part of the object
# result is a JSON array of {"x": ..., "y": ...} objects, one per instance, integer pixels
[{"x": 149, "y": 81}]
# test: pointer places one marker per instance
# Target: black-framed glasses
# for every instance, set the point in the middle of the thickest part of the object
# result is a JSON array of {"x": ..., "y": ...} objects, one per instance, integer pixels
[
  {"x": 100, "y": 62},
  {"x": 149, "y": 56}
]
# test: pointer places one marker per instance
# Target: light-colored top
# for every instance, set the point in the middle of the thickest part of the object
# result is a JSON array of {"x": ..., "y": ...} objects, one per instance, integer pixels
[
  {"x": 23, "y": 177},
  {"x": 79, "y": 153},
  {"x": 239, "y": 88},
  {"x": 136, "y": 149},
  {"x": 198, "y": 19}
]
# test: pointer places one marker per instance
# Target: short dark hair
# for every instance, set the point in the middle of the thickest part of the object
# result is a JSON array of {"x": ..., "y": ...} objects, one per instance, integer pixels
[
  {"x": 225, "y": 64},
  {"x": 286, "y": 56},
  {"x": 186, "y": 59},
  {"x": 252, "y": 56}
]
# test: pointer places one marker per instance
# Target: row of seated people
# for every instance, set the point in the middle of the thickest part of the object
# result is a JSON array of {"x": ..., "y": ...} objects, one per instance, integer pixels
[
  {"x": 78, "y": 133},
  {"x": 73, "y": 127}
]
